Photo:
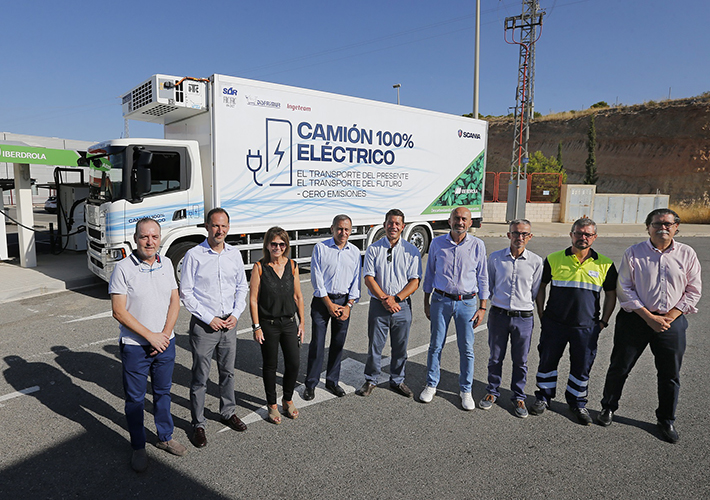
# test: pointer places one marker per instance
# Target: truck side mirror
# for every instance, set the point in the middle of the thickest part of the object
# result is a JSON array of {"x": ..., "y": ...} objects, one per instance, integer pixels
[{"x": 143, "y": 182}]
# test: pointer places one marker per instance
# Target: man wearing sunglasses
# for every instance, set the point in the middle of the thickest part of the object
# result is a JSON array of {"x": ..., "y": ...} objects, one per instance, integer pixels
[
  {"x": 455, "y": 286},
  {"x": 514, "y": 275},
  {"x": 213, "y": 287},
  {"x": 576, "y": 277},
  {"x": 659, "y": 283},
  {"x": 145, "y": 301},
  {"x": 392, "y": 270}
]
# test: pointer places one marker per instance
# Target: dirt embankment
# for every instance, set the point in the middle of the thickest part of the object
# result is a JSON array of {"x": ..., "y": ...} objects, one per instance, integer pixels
[{"x": 640, "y": 149}]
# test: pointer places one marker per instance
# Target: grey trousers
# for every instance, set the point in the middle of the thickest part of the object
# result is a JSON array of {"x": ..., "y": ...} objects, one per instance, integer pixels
[{"x": 204, "y": 342}]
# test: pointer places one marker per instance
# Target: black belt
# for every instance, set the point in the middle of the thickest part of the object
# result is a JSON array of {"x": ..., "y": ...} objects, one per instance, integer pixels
[
  {"x": 337, "y": 296},
  {"x": 455, "y": 297},
  {"x": 516, "y": 314}
]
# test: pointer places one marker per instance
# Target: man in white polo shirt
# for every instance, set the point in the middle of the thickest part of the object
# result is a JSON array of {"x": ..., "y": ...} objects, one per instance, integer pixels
[{"x": 146, "y": 303}]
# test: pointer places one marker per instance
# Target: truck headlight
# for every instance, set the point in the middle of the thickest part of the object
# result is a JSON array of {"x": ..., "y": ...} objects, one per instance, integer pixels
[{"x": 116, "y": 254}]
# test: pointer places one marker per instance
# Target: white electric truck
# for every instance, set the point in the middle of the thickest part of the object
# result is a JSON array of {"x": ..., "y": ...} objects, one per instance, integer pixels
[{"x": 274, "y": 155}]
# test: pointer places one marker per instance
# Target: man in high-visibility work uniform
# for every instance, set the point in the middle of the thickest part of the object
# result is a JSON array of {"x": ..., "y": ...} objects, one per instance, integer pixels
[{"x": 572, "y": 316}]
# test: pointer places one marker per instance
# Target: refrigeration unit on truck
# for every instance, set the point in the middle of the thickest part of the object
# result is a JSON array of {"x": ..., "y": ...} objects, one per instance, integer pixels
[{"x": 273, "y": 155}]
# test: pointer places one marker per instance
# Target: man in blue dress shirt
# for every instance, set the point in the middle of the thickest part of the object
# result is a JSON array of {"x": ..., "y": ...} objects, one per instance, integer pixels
[
  {"x": 213, "y": 288},
  {"x": 335, "y": 275},
  {"x": 514, "y": 275},
  {"x": 456, "y": 273},
  {"x": 392, "y": 271}
]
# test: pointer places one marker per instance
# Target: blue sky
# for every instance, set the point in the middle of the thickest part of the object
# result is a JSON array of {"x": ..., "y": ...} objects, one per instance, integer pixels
[{"x": 66, "y": 64}]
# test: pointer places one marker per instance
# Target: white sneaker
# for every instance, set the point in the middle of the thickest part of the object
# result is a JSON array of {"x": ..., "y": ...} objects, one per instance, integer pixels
[
  {"x": 427, "y": 394},
  {"x": 467, "y": 401}
]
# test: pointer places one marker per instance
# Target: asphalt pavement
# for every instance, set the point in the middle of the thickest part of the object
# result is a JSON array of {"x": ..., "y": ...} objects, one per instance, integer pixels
[{"x": 64, "y": 432}]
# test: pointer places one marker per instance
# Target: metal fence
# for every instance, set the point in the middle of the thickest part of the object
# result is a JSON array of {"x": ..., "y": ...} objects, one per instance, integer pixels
[{"x": 542, "y": 187}]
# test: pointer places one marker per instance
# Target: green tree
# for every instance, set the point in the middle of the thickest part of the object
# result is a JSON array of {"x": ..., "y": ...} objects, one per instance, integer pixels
[
  {"x": 559, "y": 156},
  {"x": 545, "y": 187},
  {"x": 590, "y": 166},
  {"x": 600, "y": 104}
]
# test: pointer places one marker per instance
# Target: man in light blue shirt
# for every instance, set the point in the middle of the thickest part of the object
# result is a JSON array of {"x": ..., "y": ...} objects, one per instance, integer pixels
[
  {"x": 514, "y": 274},
  {"x": 335, "y": 275},
  {"x": 455, "y": 274},
  {"x": 213, "y": 288},
  {"x": 392, "y": 270}
]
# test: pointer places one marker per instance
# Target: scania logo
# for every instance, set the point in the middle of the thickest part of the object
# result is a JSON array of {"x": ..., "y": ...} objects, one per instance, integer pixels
[
  {"x": 229, "y": 91},
  {"x": 468, "y": 135}
]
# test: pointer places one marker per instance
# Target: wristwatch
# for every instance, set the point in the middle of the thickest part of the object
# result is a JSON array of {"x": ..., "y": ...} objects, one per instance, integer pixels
[{"x": 397, "y": 299}]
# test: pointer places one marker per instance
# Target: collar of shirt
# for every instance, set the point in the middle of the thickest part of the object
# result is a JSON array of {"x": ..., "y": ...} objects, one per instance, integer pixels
[
  {"x": 652, "y": 248},
  {"x": 593, "y": 255}
]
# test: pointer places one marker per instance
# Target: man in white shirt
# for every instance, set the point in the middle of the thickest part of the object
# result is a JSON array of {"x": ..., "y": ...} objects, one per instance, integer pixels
[
  {"x": 145, "y": 302},
  {"x": 213, "y": 288}
]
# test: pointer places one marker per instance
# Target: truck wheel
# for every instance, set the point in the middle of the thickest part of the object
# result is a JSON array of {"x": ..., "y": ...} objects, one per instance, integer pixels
[
  {"x": 379, "y": 234},
  {"x": 419, "y": 237},
  {"x": 177, "y": 254}
]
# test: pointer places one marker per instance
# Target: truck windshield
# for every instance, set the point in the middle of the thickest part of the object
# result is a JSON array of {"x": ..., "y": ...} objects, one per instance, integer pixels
[{"x": 106, "y": 178}]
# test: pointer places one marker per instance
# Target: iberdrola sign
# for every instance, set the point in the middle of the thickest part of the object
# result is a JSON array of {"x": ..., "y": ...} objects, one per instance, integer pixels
[{"x": 38, "y": 156}]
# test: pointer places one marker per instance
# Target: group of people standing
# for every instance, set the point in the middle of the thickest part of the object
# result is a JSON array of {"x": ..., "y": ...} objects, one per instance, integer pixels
[{"x": 658, "y": 283}]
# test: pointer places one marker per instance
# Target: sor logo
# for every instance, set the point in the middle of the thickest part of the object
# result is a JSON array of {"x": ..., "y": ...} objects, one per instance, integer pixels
[
  {"x": 468, "y": 135},
  {"x": 229, "y": 91}
]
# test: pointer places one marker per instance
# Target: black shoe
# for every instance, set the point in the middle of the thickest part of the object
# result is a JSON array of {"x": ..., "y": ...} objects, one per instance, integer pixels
[
  {"x": 668, "y": 432},
  {"x": 402, "y": 389},
  {"x": 366, "y": 389},
  {"x": 582, "y": 415},
  {"x": 309, "y": 393},
  {"x": 605, "y": 417},
  {"x": 335, "y": 389},
  {"x": 199, "y": 439},
  {"x": 538, "y": 407}
]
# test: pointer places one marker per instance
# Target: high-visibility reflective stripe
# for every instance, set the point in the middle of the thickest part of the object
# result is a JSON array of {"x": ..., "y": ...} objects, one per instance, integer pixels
[
  {"x": 580, "y": 383},
  {"x": 577, "y": 284},
  {"x": 553, "y": 373},
  {"x": 547, "y": 385},
  {"x": 579, "y": 394}
]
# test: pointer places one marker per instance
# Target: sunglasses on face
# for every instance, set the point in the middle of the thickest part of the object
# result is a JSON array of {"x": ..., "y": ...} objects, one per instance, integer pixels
[{"x": 280, "y": 245}]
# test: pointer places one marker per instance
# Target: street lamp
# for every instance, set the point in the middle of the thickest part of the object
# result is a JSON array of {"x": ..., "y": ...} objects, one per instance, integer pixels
[{"x": 397, "y": 86}]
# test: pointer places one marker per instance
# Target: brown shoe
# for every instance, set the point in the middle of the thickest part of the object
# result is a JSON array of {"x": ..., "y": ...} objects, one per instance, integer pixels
[
  {"x": 402, "y": 389},
  {"x": 199, "y": 439},
  {"x": 366, "y": 389},
  {"x": 172, "y": 447},
  {"x": 234, "y": 423}
]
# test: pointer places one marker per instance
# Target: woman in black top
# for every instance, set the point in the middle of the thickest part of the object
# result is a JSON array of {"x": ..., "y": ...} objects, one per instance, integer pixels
[{"x": 274, "y": 299}]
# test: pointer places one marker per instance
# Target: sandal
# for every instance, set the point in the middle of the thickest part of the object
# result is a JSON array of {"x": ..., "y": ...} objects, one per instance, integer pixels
[
  {"x": 290, "y": 409},
  {"x": 274, "y": 415}
]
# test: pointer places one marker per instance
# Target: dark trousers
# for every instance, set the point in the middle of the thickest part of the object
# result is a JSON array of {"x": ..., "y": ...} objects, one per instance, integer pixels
[
  {"x": 280, "y": 332},
  {"x": 316, "y": 351},
  {"x": 631, "y": 336},
  {"x": 137, "y": 365},
  {"x": 519, "y": 330},
  {"x": 554, "y": 337}
]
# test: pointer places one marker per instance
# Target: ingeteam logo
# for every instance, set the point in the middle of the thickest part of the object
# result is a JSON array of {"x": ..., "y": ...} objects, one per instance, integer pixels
[{"x": 468, "y": 135}]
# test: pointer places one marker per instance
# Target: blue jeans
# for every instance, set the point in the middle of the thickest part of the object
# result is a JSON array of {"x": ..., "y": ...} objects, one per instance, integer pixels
[
  {"x": 137, "y": 364},
  {"x": 462, "y": 311},
  {"x": 379, "y": 323}
]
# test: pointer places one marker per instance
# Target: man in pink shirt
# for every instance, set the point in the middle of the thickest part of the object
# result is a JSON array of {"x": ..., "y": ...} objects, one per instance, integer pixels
[{"x": 659, "y": 283}]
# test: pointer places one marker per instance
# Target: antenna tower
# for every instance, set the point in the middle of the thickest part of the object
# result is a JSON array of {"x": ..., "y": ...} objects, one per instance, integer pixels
[{"x": 527, "y": 22}]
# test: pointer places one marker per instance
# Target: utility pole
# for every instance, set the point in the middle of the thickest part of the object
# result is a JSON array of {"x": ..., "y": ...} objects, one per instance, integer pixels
[
  {"x": 476, "y": 52},
  {"x": 527, "y": 22}
]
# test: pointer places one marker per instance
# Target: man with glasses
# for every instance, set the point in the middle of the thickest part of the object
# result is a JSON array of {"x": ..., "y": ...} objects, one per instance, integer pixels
[
  {"x": 145, "y": 301},
  {"x": 335, "y": 276},
  {"x": 213, "y": 287},
  {"x": 514, "y": 275},
  {"x": 455, "y": 273},
  {"x": 659, "y": 283},
  {"x": 577, "y": 276},
  {"x": 392, "y": 270}
]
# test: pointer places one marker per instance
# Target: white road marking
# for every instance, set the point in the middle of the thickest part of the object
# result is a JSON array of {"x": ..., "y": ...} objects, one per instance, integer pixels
[
  {"x": 106, "y": 314},
  {"x": 351, "y": 378},
  {"x": 16, "y": 394}
]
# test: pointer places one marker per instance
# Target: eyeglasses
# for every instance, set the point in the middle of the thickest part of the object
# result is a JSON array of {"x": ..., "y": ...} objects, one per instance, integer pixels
[
  {"x": 280, "y": 245},
  {"x": 659, "y": 225},
  {"x": 518, "y": 234},
  {"x": 389, "y": 254},
  {"x": 580, "y": 234}
]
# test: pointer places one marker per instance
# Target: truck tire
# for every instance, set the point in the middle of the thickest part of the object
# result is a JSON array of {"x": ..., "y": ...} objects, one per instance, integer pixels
[
  {"x": 419, "y": 237},
  {"x": 177, "y": 254}
]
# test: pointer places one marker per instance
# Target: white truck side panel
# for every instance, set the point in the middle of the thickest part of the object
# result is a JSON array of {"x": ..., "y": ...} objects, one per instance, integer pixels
[{"x": 291, "y": 156}]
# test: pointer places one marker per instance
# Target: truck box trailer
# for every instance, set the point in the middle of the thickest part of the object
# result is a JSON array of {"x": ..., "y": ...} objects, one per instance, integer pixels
[{"x": 276, "y": 155}]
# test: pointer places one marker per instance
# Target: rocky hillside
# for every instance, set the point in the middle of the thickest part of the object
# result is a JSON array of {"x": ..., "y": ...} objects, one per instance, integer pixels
[{"x": 640, "y": 149}]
